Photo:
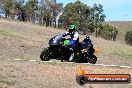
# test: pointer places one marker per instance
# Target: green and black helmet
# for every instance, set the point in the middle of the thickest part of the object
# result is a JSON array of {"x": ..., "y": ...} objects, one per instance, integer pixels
[{"x": 72, "y": 28}]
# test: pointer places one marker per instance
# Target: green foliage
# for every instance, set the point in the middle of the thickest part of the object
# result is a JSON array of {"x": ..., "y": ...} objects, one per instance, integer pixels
[
  {"x": 11, "y": 7},
  {"x": 108, "y": 32},
  {"x": 31, "y": 5},
  {"x": 85, "y": 17},
  {"x": 30, "y": 9},
  {"x": 72, "y": 15},
  {"x": 128, "y": 37},
  {"x": 7, "y": 6},
  {"x": 88, "y": 19},
  {"x": 48, "y": 12},
  {"x": 18, "y": 5},
  {"x": 44, "y": 11}
]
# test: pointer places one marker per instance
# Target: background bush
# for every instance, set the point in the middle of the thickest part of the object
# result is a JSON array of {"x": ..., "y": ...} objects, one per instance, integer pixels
[
  {"x": 108, "y": 32},
  {"x": 128, "y": 37}
]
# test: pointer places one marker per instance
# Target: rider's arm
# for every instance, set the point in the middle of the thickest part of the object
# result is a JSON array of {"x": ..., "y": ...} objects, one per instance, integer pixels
[
  {"x": 75, "y": 37},
  {"x": 67, "y": 33}
]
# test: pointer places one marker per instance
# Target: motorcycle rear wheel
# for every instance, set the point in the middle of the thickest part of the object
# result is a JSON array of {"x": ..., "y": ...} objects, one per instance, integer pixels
[{"x": 93, "y": 60}]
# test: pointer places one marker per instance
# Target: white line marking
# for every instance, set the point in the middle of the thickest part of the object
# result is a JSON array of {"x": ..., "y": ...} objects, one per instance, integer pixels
[
  {"x": 125, "y": 66},
  {"x": 104, "y": 65},
  {"x": 32, "y": 60},
  {"x": 17, "y": 59},
  {"x": 111, "y": 66},
  {"x": 47, "y": 61},
  {"x": 97, "y": 64},
  {"x": 68, "y": 62}
]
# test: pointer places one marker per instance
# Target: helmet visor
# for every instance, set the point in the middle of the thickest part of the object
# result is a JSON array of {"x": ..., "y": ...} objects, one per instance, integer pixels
[{"x": 71, "y": 30}]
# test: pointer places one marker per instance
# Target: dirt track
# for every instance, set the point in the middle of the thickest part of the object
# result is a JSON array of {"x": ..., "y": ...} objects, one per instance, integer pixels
[
  {"x": 26, "y": 41},
  {"x": 23, "y": 74}
]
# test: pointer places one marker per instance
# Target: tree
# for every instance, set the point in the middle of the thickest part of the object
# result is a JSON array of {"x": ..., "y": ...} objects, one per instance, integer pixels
[
  {"x": 88, "y": 19},
  {"x": 108, "y": 32},
  {"x": 1, "y": 8},
  {"x": 7, "y": 6},
  {"x": 98, "y": 17},
  {"x": 74, "y": 14},
  {"x": 114, "y": 33},
  {"x": 30, "y": 9},
  {"x": 11, "y": 7},
  {"x": 128, "y": 37},
  {"x": 48, "y": 11}
]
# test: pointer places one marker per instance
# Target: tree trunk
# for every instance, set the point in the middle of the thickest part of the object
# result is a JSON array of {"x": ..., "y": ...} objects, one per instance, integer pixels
[
  {"x": 96, "y": 32},
  {"x": 55, "y": 23},
  {"x": 30, "y": 19},
  {"x": 42, "y": 20}
]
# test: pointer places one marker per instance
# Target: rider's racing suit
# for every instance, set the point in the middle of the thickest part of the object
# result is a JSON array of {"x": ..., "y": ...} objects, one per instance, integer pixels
[{"x": 74, "y": 40}]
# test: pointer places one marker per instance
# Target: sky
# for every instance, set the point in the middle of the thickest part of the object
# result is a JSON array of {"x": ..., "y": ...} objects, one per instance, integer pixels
[{"x": 115, "y": 10}]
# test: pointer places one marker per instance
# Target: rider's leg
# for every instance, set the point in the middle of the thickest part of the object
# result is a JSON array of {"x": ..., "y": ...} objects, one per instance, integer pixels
[
  {"x": 72, "y": 53},
  {"x": 72, "y": 48},
  {"x": 71, "y": 57}
]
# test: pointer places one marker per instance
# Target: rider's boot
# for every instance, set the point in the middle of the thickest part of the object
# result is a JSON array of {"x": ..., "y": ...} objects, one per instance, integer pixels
[{"x": 71, "y": 57}]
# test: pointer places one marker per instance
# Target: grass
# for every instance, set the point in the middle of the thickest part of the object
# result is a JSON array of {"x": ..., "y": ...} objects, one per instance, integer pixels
[
  {"x": 125, "y": 52},
  {"x": 123, "y": 27},
  {"x": 13, "y": 56},
  {"x": 22, "y": 35},
  {"x": 122, "y": 33},
  {"x": 7, "y": 81},
  {"x": 119, "y": 49},
  {"x": 12, "y": 33},
  {"x": 122, "y": 50},
  {"x": 61, "y": 66},
  {"x": 130, "y": 87},
  {"x": 54, "y": 62}
]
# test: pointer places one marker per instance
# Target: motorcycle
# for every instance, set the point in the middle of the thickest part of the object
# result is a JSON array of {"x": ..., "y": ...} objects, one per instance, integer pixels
[{"x": 83, "y": 53}]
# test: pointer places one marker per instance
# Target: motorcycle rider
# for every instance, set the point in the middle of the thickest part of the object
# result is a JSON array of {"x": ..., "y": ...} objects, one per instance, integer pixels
[{"x": 72, "y": 39}]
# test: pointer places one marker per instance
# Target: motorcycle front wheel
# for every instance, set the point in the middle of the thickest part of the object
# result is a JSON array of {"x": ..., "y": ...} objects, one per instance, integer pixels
[{"x": 45, "y": 55}]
